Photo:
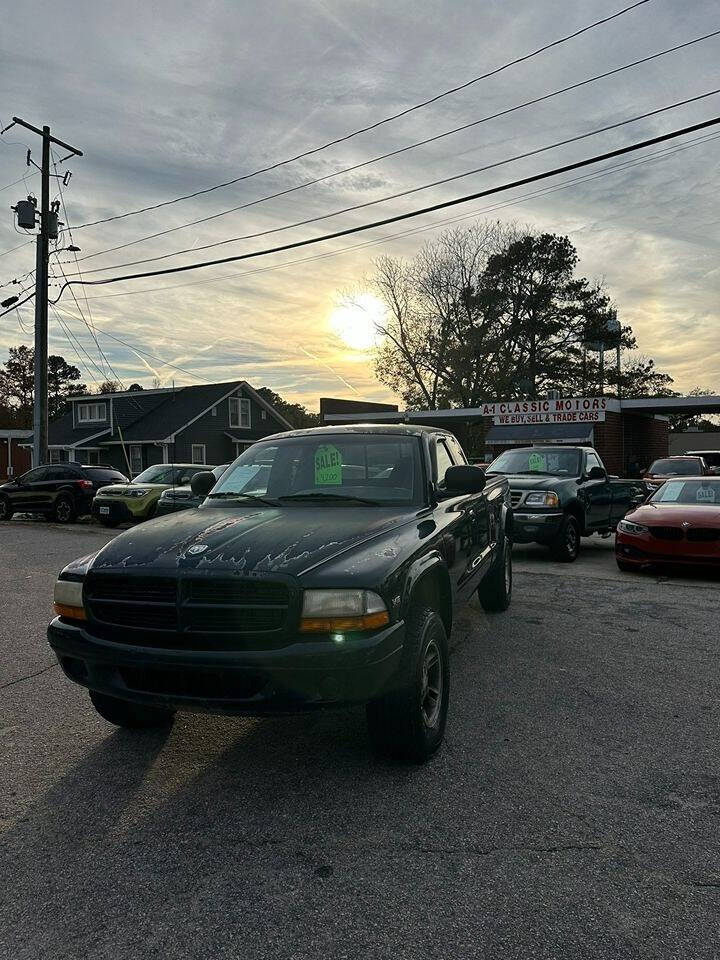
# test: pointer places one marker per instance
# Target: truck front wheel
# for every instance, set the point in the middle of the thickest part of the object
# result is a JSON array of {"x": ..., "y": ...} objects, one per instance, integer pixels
[
  {"x": 134, "y": 716},
  {"x": 408, "y": 723},
  {"x": 566, "y": 545}
]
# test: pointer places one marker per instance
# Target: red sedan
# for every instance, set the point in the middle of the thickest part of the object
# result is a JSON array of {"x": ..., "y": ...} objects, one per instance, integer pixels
[{"x": 679, "y": 523}]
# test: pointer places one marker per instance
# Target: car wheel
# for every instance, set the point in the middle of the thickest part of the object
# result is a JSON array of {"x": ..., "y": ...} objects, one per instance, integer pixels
[
  {"x": 408, "y": 723},
  {"x": 64, "y": 510},
  {"x": 6, "y": 510},
  {"x": 626, "y": 567},
  {"x": 566, "y": 545},
  {"x": 495, "y": 591},
  {"x": 134, "y": 716}
]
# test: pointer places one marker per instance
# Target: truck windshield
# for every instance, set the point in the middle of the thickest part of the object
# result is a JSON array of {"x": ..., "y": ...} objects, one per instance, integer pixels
[
  {"x": 556, "y": 462},
  {"x": 335, "y": 469}
]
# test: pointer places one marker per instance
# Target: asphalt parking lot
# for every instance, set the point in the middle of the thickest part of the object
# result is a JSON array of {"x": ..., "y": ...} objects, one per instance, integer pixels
[{"x": 573, "y": 811}]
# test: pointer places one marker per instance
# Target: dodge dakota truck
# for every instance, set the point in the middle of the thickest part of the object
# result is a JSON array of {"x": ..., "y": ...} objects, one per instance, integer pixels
[
  {"x": 324, "y": 568},
  {"x": 560, "y": 494}
]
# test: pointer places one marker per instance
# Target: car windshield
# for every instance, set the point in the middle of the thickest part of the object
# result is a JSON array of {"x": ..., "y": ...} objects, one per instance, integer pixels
[
  {"x": 335, "y": 469},
  {"x": 557, "y": 462},
  {"x": 169, "y": 473},
  {"x": 676, "y": 468},
  {"x": 705, "y": 492}
]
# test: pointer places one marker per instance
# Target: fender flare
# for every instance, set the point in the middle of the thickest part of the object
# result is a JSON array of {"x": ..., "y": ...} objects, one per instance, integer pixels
[{"x": 431, "y": 564}]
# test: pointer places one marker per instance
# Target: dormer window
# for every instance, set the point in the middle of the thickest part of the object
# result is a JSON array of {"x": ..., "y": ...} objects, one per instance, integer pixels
[
  {"x": 91, "y": 412},
  {"x": 240, "y": 412}
]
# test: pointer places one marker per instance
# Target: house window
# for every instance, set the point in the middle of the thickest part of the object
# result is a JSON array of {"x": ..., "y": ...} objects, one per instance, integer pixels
[
  {"x": 135, "y": 460},
  {"x": 263, "y": 414},
  {"x": 55, "y": 455},
  {"x": 240, "y": 413},
  {"x": 213, "y": 412},
  {"x": 91, "y": 412},
  {"x": 198, "y": 453}
]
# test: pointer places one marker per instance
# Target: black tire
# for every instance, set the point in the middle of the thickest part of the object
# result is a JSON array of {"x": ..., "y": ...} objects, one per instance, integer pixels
[
  {"x": 6, "y": 509},
  {"x": 408, "y": 723},
  {"x": 133, "y": 716},
  {"x": 111, "y": 524},
  {"x": 495, "y": 591},
  {"x": 625, "y": 566},
  {"x": 64, "y": 509},
  {"x": 566, "y": 545}
]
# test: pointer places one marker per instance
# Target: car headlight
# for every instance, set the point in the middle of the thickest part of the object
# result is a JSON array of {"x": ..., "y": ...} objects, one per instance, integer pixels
[
  {"x": 547, "y": 498},
  {"x": 68, "y": 599},
  {"x": 627, "y": 526},
  {"x": 336, "y": 611},
  {"x": 136, "y": 492}
]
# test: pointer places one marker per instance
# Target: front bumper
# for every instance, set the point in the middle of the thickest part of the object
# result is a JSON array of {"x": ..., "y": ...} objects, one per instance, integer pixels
[
  {"x": 645, "y": 550},
  {"x": 306, "y": 674},
  {"x": 121, "y": 511},
  {"x": 537, "y": 527}
]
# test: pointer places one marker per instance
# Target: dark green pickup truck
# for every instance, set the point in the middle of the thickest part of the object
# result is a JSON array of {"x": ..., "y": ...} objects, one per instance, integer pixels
[{"x": 560, "y": 494}]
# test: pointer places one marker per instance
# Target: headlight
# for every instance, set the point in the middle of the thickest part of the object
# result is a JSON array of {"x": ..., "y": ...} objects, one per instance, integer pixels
[
  {"x": 68, "y": 599},
  {"x": 335, "y": 611},
  {"x": 627, "y": 526},
  {"x": 543, "y": 499},
  {"x": 136, "y": 492}
]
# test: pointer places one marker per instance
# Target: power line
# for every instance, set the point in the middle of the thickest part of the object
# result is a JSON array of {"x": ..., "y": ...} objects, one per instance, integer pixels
[
  {"x": 400, "y": 150},
  {"x": 628, "y": 164},
  {"x": 19, "y": 304},
  {"x": 566, "y": 168},
  {"x": 412, "y": 190},
  {"x": 18, "y": 247},
  {"x": 378, "y": 123}
]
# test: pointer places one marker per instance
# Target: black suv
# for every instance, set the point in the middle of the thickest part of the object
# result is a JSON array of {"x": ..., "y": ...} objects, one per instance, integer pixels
[{"x": 62, "y": 491}]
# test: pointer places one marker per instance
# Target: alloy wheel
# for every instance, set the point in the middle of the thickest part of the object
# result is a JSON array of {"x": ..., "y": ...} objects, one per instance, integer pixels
[
  {"x": 432, "y": 684},
  {"x": 62, "y": 511}
]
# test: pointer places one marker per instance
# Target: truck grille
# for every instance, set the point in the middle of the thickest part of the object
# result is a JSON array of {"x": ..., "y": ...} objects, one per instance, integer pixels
[
  {"x": 515, "y": 497},
  {"x": 190, "y": 613}
]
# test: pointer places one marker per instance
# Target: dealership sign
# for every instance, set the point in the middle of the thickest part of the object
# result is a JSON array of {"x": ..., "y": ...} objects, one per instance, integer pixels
[{"x": 569, "y": 410}]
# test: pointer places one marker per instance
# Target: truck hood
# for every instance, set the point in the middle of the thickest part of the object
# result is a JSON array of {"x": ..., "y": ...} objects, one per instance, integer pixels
[
  {"x": 523, "y": 481},
  {"x": 287, "y": 540}
]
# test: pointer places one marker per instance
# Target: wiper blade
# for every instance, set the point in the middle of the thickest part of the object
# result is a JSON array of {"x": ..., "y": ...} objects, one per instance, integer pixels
[
  {"x": 228, "y": 495},
  {"x": 329, "y": 496}
]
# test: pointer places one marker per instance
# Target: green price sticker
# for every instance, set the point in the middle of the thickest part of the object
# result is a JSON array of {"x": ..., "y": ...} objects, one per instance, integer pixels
[
  {"x": 328, "y": 466},
  {"x": 536, "y": 461}
]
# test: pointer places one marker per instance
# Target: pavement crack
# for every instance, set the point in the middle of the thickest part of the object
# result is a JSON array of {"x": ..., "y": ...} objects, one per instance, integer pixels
[{"x": 28, "y": 676}]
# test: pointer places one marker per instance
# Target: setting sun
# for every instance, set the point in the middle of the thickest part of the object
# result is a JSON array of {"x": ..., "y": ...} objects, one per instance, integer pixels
[{"x": 356, "y": 319}]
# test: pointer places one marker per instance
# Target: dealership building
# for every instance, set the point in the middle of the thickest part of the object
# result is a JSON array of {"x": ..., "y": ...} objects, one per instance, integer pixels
[{"x": 627, "y": 434}]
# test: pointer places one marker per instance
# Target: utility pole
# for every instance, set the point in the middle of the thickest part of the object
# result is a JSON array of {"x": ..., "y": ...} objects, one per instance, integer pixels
[{"x": 40, "y": 406}]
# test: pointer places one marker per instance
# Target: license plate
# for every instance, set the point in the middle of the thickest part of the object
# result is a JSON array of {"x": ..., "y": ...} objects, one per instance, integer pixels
[{"x": 104, "y": 510}]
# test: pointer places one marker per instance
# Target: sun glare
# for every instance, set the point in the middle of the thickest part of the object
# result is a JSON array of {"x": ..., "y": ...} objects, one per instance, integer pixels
[{"x": 355, "y": 320}]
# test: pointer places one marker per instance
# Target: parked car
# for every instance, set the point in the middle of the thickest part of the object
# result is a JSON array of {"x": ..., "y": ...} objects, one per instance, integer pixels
[
  {"x": 685, "y": 466},
  {"x": 137, "y": 499},
  {"x": 711, "y": 458},
  {"x": 678, "y": 524},
  {"x": 560, "y": 494},
  {"x": 62, "y": 491},
  {"x": 182, "y": 498},
  {"x": 334, "y": 580}
]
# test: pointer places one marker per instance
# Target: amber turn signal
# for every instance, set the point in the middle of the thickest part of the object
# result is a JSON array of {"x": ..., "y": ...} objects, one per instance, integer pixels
[
  {"x": 368, "y": 621},
  {"x": 70, "y": 613}
]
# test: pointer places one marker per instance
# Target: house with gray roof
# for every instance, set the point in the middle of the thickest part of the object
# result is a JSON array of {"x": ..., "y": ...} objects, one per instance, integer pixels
[{"x": 211, "y": 423}]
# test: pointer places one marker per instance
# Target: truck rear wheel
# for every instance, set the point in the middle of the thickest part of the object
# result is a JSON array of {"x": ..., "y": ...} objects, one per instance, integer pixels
[
  {"x": 566, "y": 545},
  {"x": 408, "y": 723},
  {"x": 133, "y": 716},
  {"x": 495, "y": 591}
]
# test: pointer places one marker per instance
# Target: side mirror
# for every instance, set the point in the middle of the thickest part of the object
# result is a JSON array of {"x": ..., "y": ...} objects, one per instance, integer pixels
[
  {"x": 202, "y": 483},
  {"x": 597, "y": 473},
  {"x": 464, "y": 479}
]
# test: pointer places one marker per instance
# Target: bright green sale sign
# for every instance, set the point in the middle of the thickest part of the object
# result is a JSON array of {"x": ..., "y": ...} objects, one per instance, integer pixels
[{"x": 328, "y": 466}]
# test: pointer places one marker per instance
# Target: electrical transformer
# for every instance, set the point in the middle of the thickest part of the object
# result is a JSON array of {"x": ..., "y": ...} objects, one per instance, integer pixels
[{"x": 25, "y": 211}]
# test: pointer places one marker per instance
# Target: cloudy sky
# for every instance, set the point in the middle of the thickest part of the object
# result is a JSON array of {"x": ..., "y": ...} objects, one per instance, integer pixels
[{"x": 167, "y": 98}]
